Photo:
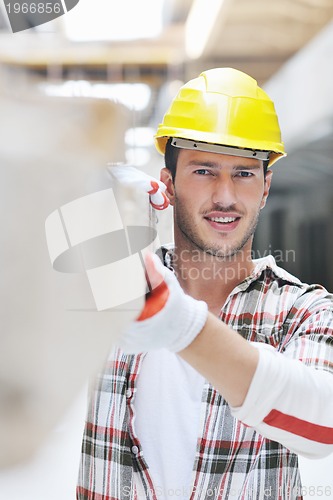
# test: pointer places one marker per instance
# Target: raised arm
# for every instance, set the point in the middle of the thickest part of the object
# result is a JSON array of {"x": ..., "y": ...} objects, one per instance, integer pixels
[{"x": 287, "y": 396}]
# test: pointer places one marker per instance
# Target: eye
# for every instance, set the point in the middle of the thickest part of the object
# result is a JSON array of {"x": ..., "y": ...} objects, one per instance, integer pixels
[
  {"x": 245, "y": 174},
  {"x": 202, "y": 171}
]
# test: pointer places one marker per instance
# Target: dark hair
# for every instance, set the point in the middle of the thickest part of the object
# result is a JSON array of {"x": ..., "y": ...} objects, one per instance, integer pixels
[{"x": 171, "y": 158}]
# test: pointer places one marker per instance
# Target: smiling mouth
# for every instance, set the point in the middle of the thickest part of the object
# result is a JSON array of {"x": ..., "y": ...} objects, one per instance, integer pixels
[
  {"x": 223, "y": 223},
  {"x": 222, "y": 220}
]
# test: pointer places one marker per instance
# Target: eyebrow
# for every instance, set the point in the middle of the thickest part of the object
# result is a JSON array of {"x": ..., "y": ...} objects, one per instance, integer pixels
[
  {"x": 248, "y": 167},
  {"x": 212, "y": 164}
]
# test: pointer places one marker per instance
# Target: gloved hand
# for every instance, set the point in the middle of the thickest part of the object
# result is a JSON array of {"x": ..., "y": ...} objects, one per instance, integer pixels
[
  {"x": 131, "y": 176},
  {"x": 170, "y": 319}
]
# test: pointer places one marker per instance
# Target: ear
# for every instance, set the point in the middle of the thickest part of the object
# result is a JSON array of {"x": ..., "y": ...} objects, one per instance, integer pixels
[
  {"x": 165, "y": 176},
  {"x": 267, "y": 185}
]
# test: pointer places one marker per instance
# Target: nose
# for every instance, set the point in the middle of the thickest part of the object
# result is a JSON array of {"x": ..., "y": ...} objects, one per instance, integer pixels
[{"x": 224, "y": 191}]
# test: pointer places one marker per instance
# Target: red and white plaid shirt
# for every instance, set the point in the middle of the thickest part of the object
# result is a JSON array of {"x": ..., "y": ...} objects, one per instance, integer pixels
[{"x": 242, "y": 453}]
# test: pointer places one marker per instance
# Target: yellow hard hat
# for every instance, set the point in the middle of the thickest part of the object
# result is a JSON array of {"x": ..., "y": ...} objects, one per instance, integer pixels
[{"x": 223, "y": 106}]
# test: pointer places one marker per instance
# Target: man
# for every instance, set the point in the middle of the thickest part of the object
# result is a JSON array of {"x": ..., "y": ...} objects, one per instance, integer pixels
[{"x": 231, "y": 375}]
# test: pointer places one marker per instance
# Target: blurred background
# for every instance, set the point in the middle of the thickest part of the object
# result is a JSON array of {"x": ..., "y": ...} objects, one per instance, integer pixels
[{"x": 91, "y": 86}]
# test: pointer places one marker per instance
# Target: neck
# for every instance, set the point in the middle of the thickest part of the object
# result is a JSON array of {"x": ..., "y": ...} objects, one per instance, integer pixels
[{"x": 207, "y": 277}]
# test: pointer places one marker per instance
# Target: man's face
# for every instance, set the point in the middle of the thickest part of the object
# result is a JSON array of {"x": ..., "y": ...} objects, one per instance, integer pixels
[{"x": 217, "y": 200}]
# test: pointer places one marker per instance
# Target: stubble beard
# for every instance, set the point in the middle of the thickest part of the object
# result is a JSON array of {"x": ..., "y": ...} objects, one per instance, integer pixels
[{"x": 188, "y": 229}]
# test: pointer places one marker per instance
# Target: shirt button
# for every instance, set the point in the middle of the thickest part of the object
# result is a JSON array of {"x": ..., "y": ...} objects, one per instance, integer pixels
[
  {"x": 135, "y": 450},
  {"x": 129, "y": 393}
]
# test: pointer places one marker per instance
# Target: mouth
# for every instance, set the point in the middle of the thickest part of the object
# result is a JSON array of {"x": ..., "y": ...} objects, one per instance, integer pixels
[
  {"x": 223, "y": 223},
  {"x": 222, "y": 220}
]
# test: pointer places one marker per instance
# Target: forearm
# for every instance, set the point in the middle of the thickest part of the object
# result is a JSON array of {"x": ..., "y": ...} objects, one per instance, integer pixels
[
  {"x": 291, "y": 403},
  {"x": 226, "y": 359},
  {"x": 282, "y": 398}
]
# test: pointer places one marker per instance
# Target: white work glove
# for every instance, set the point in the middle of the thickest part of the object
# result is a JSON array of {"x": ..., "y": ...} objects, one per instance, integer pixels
[
  {"x": 131, "y": 176},
  {"x": 170, "y": 319}
]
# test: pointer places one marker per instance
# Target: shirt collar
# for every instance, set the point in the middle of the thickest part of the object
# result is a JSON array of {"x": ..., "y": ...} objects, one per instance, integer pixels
[{"x": 260, "y": 265}]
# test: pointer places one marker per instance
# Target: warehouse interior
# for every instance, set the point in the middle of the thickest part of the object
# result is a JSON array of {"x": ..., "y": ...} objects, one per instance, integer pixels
[{"x": 89, "y": 88}]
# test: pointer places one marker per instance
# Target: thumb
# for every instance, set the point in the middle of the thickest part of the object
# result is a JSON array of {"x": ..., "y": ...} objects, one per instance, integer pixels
[
  {"x": 155, "y": 270},
  {"x": 159, "y": 294}
]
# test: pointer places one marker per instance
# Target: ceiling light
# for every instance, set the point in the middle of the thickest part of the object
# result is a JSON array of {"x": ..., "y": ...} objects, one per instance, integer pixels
[
  {"x": 135, "y": 96},
  {"x": 200, "y": 24},
  {"x": 100, "y": 20}
]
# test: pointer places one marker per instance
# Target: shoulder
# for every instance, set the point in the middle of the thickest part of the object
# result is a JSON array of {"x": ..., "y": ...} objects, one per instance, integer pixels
[
  {"x": 270, "y": 270},
  {"x": 289, "y": 292},
  {"x": 309, "y": 302}
]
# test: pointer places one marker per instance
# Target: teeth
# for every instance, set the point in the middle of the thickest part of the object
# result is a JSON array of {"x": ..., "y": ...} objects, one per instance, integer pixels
[{"x": 225, "y": 220}]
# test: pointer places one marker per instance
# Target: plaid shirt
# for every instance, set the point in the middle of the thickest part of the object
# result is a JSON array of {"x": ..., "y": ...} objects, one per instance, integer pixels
[{"x": 233, "y": 460}]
